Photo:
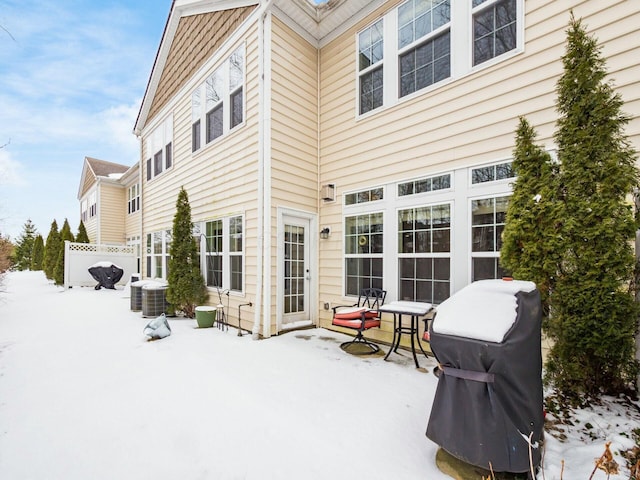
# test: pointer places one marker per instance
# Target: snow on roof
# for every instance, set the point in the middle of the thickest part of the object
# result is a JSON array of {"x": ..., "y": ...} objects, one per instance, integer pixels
[{"x": 484, "y": 310}]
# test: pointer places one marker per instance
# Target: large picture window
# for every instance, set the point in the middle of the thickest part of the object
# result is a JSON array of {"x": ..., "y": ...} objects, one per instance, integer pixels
[
  {"x": 424, "y": 253},
  {"x": 488, "y": 217},
  {"x": 223, "y": 106},
  {"x": 364, "y": 235}
]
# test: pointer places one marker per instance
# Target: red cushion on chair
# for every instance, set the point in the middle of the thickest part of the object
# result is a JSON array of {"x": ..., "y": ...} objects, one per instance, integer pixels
[
  {"x": 356, "y": 323},
  {"x": 352, "y": 313},
  {"x": 426, "y": 336}
]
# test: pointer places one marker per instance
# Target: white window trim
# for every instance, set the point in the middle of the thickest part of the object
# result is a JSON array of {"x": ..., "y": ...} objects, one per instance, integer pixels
[
  {"x": 491, "y": 193},
  {"x": 452, "y": 232},
  {"x": 226, "y": 253},
  {"x": 133, "y": 198},
  {"x": 165, "y": 239},
  {"x": 461, "y": 27},
  {"x": 490, "y": 183},
  {"x": 224, "y": 69},
  {"x": 157, "y": 142}
]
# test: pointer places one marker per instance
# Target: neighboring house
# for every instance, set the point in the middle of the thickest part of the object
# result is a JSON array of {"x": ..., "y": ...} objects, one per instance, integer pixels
[
  {"x": 109, "y": 197},
  {"x": 386, "y": 125}
]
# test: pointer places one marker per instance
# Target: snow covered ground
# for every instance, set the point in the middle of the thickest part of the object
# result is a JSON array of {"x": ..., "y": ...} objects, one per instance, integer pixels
[{"x": 84, "y": 395}]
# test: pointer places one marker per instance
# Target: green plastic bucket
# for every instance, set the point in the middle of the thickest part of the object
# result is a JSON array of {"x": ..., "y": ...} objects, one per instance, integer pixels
[{"x": 205, "y": 316}]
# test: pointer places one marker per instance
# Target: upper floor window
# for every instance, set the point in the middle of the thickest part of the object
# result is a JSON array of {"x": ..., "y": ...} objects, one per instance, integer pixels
[
  {"x": 218, "y": 103},
  {"x": 133, "y": 198},
  {"x": 370, "y": 67},
  {"x": 494, "y": 28},
  {"x": 424, "y": 42},
  {"x": 93, "y": 204},
  {"x": 160, "y": 149},
  {"x": 412, "y": 47},
  {"x": 83, "y": 210},
  {"x": 491, "y": 173}
]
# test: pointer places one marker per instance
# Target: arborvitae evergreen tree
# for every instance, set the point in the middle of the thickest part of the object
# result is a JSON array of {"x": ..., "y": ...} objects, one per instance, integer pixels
[
  {"x": 594, "y": 317},
  {"x": 65, "y": 235},
  {"x": 38, "y": 253},
  {"x": 24, "y": 246},
  {"x": 82, "y": 236},
  {"x": 51, "y": 249},
  {"x": 6, "y": 254},
  {"x": 531, "y": 215},
  {"x": 186, "y": 285}
]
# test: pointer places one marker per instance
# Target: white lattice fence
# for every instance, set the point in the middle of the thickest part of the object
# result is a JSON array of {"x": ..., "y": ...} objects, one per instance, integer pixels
[{"x": 78, "y": 257}]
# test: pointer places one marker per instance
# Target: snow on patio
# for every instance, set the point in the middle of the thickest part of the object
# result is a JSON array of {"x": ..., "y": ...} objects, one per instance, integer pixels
[{"x": 83, "y": 395}]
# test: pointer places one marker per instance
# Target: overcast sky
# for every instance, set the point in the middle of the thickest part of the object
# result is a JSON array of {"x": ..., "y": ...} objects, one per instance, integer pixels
[{"x": 72, "y": 77}]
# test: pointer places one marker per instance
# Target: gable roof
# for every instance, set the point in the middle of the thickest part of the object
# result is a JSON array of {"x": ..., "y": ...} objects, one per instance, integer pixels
[
  {"x": 93, "y": 169},
  {"x": 102, "y": 168},
  {"x": 319, "y": 22}
]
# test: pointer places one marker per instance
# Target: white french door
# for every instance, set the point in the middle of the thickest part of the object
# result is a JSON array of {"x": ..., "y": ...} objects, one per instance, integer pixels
[{"x": 295, "y": 269}]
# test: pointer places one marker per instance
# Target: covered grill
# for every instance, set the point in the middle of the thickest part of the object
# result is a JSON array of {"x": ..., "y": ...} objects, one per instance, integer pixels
[
  {"x": 487, "y": 340},
  {"x": 106, "y": 274}
]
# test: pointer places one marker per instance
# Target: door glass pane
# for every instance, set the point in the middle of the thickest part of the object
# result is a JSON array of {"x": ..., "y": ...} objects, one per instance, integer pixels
[{"x": 294, "y": 270}]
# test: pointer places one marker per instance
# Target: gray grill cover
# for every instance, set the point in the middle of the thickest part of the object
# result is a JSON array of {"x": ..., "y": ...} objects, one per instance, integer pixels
[{"x": 489, "y": 396}]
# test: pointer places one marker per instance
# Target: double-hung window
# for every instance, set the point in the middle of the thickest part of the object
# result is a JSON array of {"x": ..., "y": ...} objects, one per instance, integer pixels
[
  {"x": 158, "y": 254},
  {"x": 370, "y": 66},
  {"x": 93, "y": 204},
  {"x": 196, "y": 113},
  {"x": 488, "y": 217},
  {"x": 133, "y": 201},
  {"x": 364, "y": 249},
  {"x": 213, "y": 253},
  {"x": 224, "y": 253},
  {"x": 160, "y": 149},
  {"x": 424, "y": 253},
  {"x": 218, "y": 103},
  {"x": 424, "y": 43},
  {"x": 494, "y": 28},
  {"x": 84, "y": 214}
]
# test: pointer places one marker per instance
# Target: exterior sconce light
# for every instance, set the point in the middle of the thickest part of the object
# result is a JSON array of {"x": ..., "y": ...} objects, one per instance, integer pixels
[
  {"x": 325, "y": 232},
  {"x": 328, "y": 192}
]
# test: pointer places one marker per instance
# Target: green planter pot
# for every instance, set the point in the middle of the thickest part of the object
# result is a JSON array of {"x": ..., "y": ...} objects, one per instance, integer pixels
[{"x": 205, "y": 316}]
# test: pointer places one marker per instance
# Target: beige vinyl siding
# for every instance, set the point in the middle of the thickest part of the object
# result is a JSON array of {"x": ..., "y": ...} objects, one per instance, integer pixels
[
  {"x": 132, "y": 223},
  {"x": 294, "y": 131},
  {"x": 220, "y": 178},
  {"x": 91, "y": 226},
  {"x": 467, "y": 121},
  {"x": 112, "y": 207},
  {"x": 294, "y": 120}
]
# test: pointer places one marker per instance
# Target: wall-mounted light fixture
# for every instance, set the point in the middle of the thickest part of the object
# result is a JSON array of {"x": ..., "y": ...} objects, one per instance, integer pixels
[
  {"x": 328, "y": 192},
  {"x": 325, "y": 232}
]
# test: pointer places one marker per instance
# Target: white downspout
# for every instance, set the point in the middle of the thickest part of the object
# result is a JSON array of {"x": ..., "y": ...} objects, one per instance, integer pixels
[
  {"x": 98, "y": 215},
  {"x": 263, "y": 248},
  {"x": 142, "y": 255}
]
